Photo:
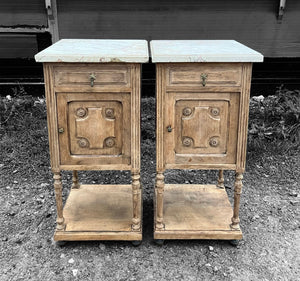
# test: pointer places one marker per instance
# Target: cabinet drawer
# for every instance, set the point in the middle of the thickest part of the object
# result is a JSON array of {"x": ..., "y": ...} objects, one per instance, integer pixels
[
  {"x": 102, "y": 75},
  {"x": 204, "y": 74}
]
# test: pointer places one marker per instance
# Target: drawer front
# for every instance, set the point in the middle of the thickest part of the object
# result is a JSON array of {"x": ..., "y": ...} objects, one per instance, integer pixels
[
  {"x": 92, "y": 75},
  {"x": 204, "y": 74},
  {"x": 203, "y": 128}
]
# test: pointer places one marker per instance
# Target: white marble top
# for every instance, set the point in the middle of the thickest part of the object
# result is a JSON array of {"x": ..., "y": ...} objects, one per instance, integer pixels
[
  {"x": 202, "y": 51},
  {"x": 95, "y": 50}
]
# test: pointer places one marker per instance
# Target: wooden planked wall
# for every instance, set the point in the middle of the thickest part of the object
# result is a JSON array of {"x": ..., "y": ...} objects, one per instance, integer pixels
[
  {"x": 20, "y": 13},
  {"x": 251, "y": 22}
]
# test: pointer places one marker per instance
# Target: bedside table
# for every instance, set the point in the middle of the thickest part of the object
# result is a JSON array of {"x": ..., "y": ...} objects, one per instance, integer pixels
[
  {"x": 202, "y": 92},
  {"x": 93, "y": 111}
]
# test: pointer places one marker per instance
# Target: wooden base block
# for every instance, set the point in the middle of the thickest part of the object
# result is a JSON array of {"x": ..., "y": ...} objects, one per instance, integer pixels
[
  {"x": 196, "y": 212},
  {"x": 98, "y": 212}
]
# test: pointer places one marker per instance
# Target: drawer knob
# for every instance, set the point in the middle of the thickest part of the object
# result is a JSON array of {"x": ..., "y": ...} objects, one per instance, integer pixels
[
  {"x": 61, "y": 130},
  {"x": 204, "y": 78},
  {"x": 169, "y": 128},
  {"x": 92, "y": 79}
]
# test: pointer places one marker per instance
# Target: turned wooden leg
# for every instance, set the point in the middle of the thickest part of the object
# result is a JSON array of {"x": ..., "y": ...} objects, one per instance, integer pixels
[
  {"x": 59, "y": 204},
  {"x": 136, "y": 198},
  {"x": 159, "y": 187},
  {"x": 237, "y": 194},
  {"x": 221, "y": 180},
  {"x": 75, "y": 183}
]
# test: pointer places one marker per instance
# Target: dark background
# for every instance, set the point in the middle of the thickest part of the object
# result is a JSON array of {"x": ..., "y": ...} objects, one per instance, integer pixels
[{"x": 26, "y": 27}]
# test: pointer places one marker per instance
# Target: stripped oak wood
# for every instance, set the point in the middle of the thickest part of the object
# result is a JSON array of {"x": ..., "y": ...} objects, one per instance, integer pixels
[
  {"x": 135, "y": 140},
  {"x": 206, "y": 134},
  {"x": 98, "y": 235},
  {"x": 202, "y": 123},
  {"x": 107, "y": 75},
  {"x": 222, "y": 75},
  {"x": 196, "y": 212},
  {"x": 99, "y": 207},
  {"x": 160, "y": 166},
  {"x": 243, "y": 117},
  {"x": 95, "y": 126}
]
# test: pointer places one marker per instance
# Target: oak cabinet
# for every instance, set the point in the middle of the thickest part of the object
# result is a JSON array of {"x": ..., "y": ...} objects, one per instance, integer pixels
[
  {"x": 202, "y": 96},
  {"x": 93, "y": 112}
]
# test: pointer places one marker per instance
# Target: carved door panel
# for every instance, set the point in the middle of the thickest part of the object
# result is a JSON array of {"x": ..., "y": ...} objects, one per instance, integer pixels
[
  {"x": 203, "y": 128},
  {"x": 94, "y": 128}
]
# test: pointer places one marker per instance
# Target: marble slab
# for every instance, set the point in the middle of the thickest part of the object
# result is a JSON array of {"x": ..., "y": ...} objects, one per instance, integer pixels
[
  {"x": 202, "y": 51},
  {"x": 95, "y": 50}
]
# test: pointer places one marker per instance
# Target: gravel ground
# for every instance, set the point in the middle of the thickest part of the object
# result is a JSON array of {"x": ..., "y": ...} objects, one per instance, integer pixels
[{"x": 269, "y": 213}]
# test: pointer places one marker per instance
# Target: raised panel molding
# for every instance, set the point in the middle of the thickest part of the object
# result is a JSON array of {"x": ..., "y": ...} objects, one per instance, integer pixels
[
  {"x": 102, "y": 127},
  {"x": 95, "y": 127},
  {"x": 201, "y": 126}
]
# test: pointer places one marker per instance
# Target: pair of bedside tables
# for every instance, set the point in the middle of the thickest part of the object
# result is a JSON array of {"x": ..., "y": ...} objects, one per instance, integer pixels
[{"x": 93, "y": 111}]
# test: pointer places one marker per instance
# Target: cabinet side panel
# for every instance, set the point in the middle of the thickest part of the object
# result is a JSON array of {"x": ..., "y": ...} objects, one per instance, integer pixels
[
  {"x": 243, "y": 117},
  {"x": 160, "y": 90},
  {"x": 135, "y": 116},
  {"x": 51, "y": 117}
]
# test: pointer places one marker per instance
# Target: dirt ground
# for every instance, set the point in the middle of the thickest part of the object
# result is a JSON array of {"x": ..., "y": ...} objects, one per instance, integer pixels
[{"x": 269, "y": 213}]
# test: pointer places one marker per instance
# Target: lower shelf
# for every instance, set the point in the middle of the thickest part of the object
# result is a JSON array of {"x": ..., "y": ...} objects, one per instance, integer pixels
[
  {"x": 196, "y": 212},
  {"x": 98, "y": 212}
]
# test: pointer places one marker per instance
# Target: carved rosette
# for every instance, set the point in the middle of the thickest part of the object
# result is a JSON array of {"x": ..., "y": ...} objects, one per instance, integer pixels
[
  {"x": 187, "y": 141},
  {"x": 214, "y": 142},
  {"x": 109, "y": 113},
  {"x": 109, "y": 142},
  {"x": 81, "y": 112},
  {"x": 83, "y": 143},
  {"x": 215, "y": 111},
  {"x": 187, "y": 111}
]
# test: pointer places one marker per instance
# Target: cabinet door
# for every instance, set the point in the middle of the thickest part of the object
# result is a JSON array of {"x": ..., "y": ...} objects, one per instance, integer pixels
[
  {"x": 200, "y": 128},
  {"x": 94, "y": 128}
]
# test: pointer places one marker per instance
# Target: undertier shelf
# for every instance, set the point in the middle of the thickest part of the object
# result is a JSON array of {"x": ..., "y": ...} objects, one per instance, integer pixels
[
  {"x": 99, "y": 212},
  {"x": 196, "y": 212}
]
